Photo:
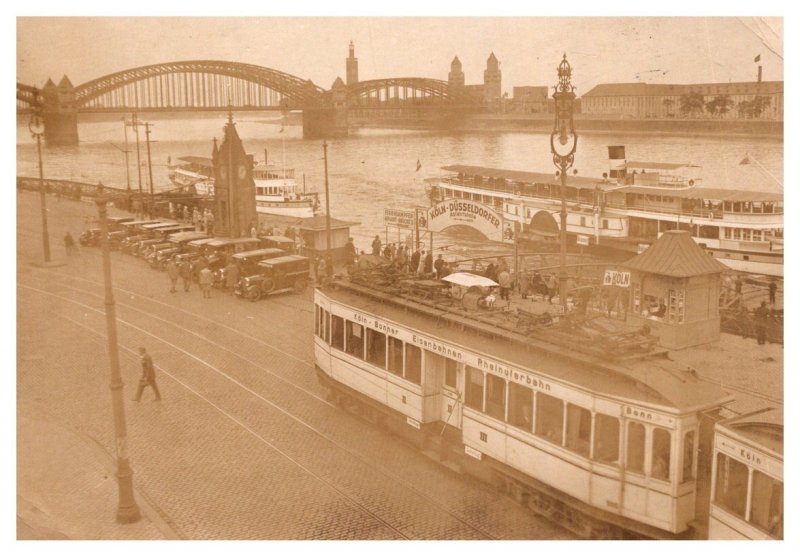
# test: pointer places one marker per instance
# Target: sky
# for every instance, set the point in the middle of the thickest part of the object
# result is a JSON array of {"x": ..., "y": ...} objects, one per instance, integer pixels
[{"x": 600, "y": 50}]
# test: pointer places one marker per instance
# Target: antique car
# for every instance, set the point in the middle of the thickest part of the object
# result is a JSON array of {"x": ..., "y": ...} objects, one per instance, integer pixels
[
  {"x": 287, "y": 273},
  {"x": 179, "y": 242},
  {"x": 279, "y": 242},
  {"x": 90, "y": 237},
  {"x": 247, "y": 262},
  {"x": 153, "y": 250}
]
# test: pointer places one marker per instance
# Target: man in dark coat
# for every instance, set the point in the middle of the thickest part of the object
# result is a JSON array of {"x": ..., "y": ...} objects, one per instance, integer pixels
[
  {"x": 439, "y": 266},
  {"x": 415, "y": 260},
  {"x": 762, "y": 315},
  {"x": 376, "y": 246},
  {"x": 148, "y": 376},
  {"x": 185, "y": 270},
  {"x": 773, "y": 287},
  {"x": 350, "y": 252},
  {"x": 428, "y": 268}
]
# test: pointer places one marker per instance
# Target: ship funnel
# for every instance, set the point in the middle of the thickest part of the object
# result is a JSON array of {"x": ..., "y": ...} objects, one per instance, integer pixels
[{"x": 617, "y": 165}]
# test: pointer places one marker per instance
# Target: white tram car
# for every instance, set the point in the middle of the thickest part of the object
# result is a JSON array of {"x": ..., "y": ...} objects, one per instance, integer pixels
[
  {"x": 608, "y": 449},
  {"x": 747, "y": 496}
]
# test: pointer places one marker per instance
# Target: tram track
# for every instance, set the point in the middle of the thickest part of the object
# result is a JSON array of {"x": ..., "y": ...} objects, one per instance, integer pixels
[{"x": 482, "y": 533}]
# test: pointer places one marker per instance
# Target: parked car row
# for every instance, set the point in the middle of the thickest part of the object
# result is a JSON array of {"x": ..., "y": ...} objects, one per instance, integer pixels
[{"x": 263, "y": 265}]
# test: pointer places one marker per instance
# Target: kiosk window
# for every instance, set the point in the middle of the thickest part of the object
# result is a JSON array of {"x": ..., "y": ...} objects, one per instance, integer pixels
[
  {"x": 520, "y": 406},
  {"x": 496, "y": 397},
  {"x": 474, "y": 394},
  {"x": 396, "y": 355},
  {"x": 376, "y": 348},
  {"x": 661, "y": 453},
  {"x": 337, "y": 332},
  {"x": 413, "y": 364},
  {"x": 766, "y": 504},
  {"x": 549, "y": 418},
  {"x": 635, "y": 459},
  {"x": 731, "y": 488},
  {"x": 606, "y": 438},
  {"x": 451, "y": 373},
  {"x": 579, "y": 429},
  {"x": 355, "y": 339}
]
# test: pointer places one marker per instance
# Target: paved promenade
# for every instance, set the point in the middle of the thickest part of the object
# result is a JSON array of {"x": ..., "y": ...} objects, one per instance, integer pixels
[{"x": 244, "y": 444}]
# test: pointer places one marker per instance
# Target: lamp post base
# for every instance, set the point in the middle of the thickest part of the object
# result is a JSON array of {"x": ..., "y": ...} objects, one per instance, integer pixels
[{"x": 47, "y": 264}]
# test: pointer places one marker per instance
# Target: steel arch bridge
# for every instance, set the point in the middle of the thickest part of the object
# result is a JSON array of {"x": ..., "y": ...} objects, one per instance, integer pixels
[
  {"x": 398, "y": 90},
  {"x": 197, "y": 85}
]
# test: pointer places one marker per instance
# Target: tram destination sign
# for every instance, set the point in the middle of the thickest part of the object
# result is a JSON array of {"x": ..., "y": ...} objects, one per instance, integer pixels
[{"x": 398, "y": 217}]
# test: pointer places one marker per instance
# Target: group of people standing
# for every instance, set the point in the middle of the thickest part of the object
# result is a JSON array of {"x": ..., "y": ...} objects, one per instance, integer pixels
[{"x": 419, "y": 261}]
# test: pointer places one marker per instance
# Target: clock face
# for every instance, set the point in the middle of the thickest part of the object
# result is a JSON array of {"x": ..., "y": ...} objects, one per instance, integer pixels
[{"x": 242, "y": 171}]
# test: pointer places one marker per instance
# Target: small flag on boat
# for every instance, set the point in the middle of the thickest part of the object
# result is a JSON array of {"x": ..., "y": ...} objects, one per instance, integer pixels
[
  {"x": 281, "y": 130},
  {"x": 419, "y": 166},
  {"x": 757, "y": 58}
]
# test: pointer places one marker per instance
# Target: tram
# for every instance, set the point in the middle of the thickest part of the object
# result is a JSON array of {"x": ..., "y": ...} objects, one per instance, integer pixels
[
  {"x": 609, "y": 449},
  {"x": 747, "y": 497}
]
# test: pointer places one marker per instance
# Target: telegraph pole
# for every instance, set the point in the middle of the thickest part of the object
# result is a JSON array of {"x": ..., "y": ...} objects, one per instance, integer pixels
[
  {"x": 36, "y": 127},
  {"x": 135, "y": 125},
  {"x": 127, "y": 166},
  {"x": 149, "y": 168}
]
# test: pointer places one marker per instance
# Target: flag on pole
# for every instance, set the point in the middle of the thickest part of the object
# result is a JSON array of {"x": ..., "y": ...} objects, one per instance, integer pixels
[
  {"x": 281, "y": 130},
  {"x": 745, "y": 160},
  {"x": 757, "y": 58},
  {"x": 419, "y": 165}
]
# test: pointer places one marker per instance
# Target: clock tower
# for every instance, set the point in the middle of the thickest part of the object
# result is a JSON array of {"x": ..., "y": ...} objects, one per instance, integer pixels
[{"x": 234, "y": 188}]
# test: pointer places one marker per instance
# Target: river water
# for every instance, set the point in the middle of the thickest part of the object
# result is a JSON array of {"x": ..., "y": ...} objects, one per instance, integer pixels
[{"x": 376, "y": 168}]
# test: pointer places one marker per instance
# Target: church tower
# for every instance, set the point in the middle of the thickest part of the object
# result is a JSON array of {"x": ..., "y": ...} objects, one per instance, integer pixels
[
  {"x": 234, "y": 188},
  {"x": 456, "y": 77},
  {"x": 492, "y": 80},
  {"x": 352, "y": 66}
]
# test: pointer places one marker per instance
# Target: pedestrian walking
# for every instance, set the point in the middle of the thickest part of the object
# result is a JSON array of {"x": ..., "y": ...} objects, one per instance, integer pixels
[
  {"x": 185, "y": 271},
  {"x": 206, "y": 279},
  {"x": 428, "y": 263},
  {"x": 762, "y": 315},
  {"x": 350, "y": 252},
  {"x": 376, "y": 246},
  {"x": 148, "y": 376},
  {"x": 231, "y": 276},
  {"x": 439, "y": 266},
  {"x": 773, "y": 287},
  {"x": 552, "y": 290},
  {"x": 415, "y": 260},
  {"x": 69, "y": 243},
  {"x": 504, "y": 281},
  {"x": 174, "y": 274}
]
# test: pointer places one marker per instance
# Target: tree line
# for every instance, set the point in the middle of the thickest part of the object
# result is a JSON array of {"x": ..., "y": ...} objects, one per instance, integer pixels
[{"x": 695, "y": 104}]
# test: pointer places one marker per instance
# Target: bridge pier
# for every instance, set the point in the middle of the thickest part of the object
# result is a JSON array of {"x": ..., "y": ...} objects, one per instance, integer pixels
[
  {"x": 323, "y": 123},
  {"x": 60, "y": 114}
]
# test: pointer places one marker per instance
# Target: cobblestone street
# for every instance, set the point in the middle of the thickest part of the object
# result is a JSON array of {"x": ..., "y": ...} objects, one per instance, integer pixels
[{"x": 244, "y": 444}]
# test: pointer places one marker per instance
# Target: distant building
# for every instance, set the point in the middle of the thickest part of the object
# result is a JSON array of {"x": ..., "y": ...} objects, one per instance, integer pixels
[
  {"x": 644, "y": 100},
  {"x": 456, "y": 76},
  {"x": 489, "y": 92},
  {"x": 352, "y": 66},
  {"x": 234, "y": 187},
  {"x": 530, "y": 100}
]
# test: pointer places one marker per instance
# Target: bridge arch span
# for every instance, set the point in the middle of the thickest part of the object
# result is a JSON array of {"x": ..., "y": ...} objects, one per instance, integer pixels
[
  {"x": 298, "y": 91},
  {"x": 403, "y": 89}
]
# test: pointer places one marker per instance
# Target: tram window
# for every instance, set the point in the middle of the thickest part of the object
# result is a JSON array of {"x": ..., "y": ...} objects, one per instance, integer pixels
[
  {"x": 766, "y": 504},
  {"x": 318, "y": 311},
  {"x": 474, "y": 394},
  {"x": 355, "y": 339},
  {"x": 450, "y": 373},
  {"x": 325, "y": 327},
  {"x": 635, "y": 459},
  {"x": 376, "y": 348},
  {"x": 549, "y": 418},
  {"x": 520, "y": 406},
  {"x": 337, "y": 332},
  {"x": 579, "y": 429},
  {"x": 413, "y": 364},
  {"x": 496, "y": 397},
  {"x": 688, "y": 456},
  {"x": 731, "y": 488},
  {"x": 396, "y": 355},
  {"x": 606, "y": 438},
  {"x": 661, "y": 453}
]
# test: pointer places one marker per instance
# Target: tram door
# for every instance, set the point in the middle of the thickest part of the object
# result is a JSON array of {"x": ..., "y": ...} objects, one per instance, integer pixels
[{"x": 441, "y": 389}]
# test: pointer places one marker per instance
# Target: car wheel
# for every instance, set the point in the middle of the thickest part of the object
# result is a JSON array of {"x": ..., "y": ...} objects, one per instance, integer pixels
[
  {"x": 267, "y": 285},
  {"x": 253, "y": 294}
]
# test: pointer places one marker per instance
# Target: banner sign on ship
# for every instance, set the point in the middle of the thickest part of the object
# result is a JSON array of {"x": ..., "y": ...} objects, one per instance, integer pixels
[{"x": 461, "y": 212}]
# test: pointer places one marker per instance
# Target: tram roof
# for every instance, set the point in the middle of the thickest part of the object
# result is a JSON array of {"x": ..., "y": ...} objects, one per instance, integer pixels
[
  {"x": 527, "y": 177},
  {"x": 764, "y": 427},
  {"x": 650, "y": 380}
]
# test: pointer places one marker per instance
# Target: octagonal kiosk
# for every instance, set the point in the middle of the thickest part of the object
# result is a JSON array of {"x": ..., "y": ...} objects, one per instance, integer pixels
[{"x": 675, "y": 287}]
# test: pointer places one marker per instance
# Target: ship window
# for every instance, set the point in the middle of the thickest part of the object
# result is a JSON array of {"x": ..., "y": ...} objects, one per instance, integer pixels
[
  {"x": 579, "y": 429},
  {"x": 451, "y": 372},
  {"x": 746, "y": 234},
  {"x": 474, "y": 394},
  {"x": 766, "y": 504},
  {"x": 737, "y": 207},
  {"x": 413, "y": 364},
  {"x": 520, "y": 406},
  {"x": 635, "y": 459},
  {"x": 731, "y": 488},
  {"x": 605, "y": 224},
  {"x": 661, "y": 453},
  {"x": 355, "y": 339},
  {"x": 376, "y": 348},
  {"x": 727, "y": 233},
  {"x": 606, "y": 438},
  {"x": 583, "y": 221},
  {"x": 757, "y": 207},
  {"x": 549, "y": 418},
  {"x": 688, "y": 457},
  {"x": 396, "y": 355},
  {"x": 737, "y": 233},
  {"x": 496, "y": 397}
]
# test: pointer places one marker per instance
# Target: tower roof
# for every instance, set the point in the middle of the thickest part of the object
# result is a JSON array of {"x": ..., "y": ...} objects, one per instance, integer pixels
[
  {"x": 455, "y": 62},
  {"x": 337, "y": 83},
  {"x": 49, "y": 84},
  {"x": 492, "y": 57},
  {"x": 676, "y": 254},
  {"x": 65, "y": 82}
]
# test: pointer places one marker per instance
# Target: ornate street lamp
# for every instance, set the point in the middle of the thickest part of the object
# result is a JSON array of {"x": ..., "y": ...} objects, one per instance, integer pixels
[
  {"x": 127, "y": 509},
  {"x": 36, "y": 127},
  {"x": 563, "y": 143}
]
